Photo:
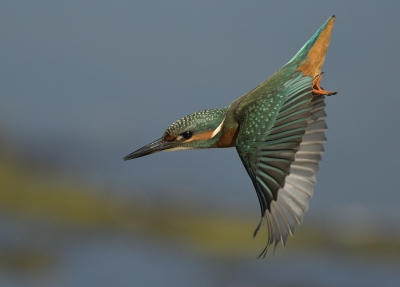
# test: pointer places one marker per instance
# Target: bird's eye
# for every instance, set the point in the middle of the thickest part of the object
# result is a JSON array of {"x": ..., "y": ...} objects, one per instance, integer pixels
[{"x": 187, "y": 135}]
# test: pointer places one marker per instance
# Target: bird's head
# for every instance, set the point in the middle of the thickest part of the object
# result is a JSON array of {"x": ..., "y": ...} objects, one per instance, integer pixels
[{"x": 196, "y": 131}]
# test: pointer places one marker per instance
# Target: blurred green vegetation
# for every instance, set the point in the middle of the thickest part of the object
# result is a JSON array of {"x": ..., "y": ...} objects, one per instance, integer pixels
[
  {"x": 26, "y": 259},
  {"x": 29, "y": 191}
]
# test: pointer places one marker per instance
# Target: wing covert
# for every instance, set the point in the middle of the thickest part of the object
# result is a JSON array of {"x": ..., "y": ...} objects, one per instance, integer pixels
[{"x": 270, "y": 133}]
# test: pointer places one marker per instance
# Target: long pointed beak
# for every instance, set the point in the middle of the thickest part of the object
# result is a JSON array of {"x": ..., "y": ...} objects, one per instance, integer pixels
[{"x": 156, "y": 146}]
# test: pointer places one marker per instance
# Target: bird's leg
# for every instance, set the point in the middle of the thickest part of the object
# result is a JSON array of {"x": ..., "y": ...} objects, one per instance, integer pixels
[{"x": 317, "y": 89}]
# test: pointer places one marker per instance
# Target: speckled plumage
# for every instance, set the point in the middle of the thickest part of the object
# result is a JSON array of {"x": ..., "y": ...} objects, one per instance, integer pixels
[
  {"x": 278, "y": 129},
  {"x": 205, "y": 120}
]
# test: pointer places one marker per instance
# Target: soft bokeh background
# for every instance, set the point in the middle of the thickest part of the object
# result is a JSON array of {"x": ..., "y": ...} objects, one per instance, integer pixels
[{"x": 84, "y": 83}]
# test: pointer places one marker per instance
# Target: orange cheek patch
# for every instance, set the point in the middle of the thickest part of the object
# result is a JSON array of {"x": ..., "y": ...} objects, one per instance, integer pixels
[
  {"x": 202, "y": 136},
  {"x": 316, "y": 55}
]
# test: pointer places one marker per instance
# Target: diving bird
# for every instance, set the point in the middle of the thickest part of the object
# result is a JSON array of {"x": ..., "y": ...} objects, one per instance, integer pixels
[{"x": 278, "y": 130}]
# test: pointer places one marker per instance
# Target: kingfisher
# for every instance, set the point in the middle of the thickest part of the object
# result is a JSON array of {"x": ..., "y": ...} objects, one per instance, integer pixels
[{"x": 278, "y": 129}]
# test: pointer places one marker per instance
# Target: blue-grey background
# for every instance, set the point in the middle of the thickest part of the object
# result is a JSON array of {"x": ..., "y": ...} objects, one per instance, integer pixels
[{"x": 84, "y": 83}]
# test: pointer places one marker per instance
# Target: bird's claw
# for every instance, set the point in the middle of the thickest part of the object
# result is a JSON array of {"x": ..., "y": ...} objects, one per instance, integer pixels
[{"x": 317, "y": 89}]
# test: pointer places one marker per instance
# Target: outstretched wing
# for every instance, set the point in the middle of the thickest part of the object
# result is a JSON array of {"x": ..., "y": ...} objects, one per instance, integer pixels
[{"x": 280, "y": 144}]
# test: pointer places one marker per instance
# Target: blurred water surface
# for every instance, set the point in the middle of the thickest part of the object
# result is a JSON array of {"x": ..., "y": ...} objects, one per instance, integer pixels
[{"x": 113, "y": 258}]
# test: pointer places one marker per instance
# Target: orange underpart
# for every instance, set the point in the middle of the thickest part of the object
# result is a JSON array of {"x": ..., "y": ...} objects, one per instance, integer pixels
[
  {"x": 316, "y": 55},
  {"x": 228, "y": 138}
]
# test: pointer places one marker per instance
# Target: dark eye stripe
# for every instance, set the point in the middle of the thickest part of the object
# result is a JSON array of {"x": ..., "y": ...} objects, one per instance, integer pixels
[{"x": 187, "y": 135}]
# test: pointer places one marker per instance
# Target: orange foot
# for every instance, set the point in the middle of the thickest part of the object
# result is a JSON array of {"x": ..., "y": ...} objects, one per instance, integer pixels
[{"x": 317, "y": 89}]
